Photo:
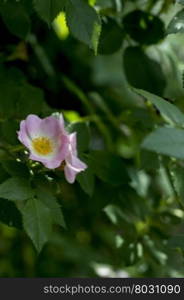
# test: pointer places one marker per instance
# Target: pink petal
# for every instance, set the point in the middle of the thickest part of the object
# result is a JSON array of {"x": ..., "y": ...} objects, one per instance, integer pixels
[
  {"x": 62, "y": 123},
  {"x": 73, "y": 166},
  {"x": 23, "y": 135},
  {"x": 75, "y": 163},
  {"x": 59, "y": 116},
  {"x": 52, "y": 163},
  {"x": 33, "y": 123},
  {"x": 63, "y": 149},
  {"x": 69, "y": 174},
  {"x": 73, "y": 142},
  {"x": 50, "y": 126}
]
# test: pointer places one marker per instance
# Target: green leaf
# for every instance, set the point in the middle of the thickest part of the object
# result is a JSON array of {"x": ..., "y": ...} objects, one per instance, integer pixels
[
  {"x": 144, "y": 27},
  {"x": 177, "y": 241},
  {"x": 159, "y": 256},
  {"x": 168, "y": 111},
  {"x": 83, "y": 137},
  {"x": 149, "y": 160},
  {"x": 177, "y": 23},
  {"x": 111, "y": 38},
  {"x": 16, "y": 18},
  {"x": 119, "y": 241},
  {"x": 180, "y": 1},
  {"x": 51, "y": 203},
  {"x": 3, "y": 174},
  {"x": 9, "y": 214},
  {"x": 150, "y": 77},
  {"x": 16, "y": 189},
  {"x": 108, "y": 167},
  {"x": 17, "y": 99},
  {"x": 9, "y": 86},
  {"x": 115, "y": 214},
  {"x": 9, "y": 131},
  {"x": 37, "y": 222},
  {"x": 15, "y": 168},
  {"x": 178, "y": 180},
  {"x": 86, "y": 180},
  {"x": 49, "y": 9},
  {"x": 167, "y": 141},
  {"x": 30, "y": 101},
  {"x": 84, "y": 23}
]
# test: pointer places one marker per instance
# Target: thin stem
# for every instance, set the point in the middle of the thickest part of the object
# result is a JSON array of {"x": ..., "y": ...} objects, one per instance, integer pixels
[
  {"x": 90, "y": 109},
  {"x": 181, "y": 205}
]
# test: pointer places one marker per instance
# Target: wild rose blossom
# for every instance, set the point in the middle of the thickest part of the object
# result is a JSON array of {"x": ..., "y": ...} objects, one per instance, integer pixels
[{"x": 49, "y": 143}]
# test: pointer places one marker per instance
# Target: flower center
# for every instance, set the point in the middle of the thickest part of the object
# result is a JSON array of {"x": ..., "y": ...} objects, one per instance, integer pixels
[{"x": 42, "y": 145}]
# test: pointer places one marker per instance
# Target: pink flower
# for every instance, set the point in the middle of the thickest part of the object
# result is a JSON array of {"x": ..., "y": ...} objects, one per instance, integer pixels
[
  {"x": 46, "y": 139},
  {"x": 49, "y": 143},
  {"x": 73, "y": 165}
]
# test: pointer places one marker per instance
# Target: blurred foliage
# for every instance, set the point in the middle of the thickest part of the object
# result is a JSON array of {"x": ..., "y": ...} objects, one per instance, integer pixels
[{"x": 115, "y": 70}]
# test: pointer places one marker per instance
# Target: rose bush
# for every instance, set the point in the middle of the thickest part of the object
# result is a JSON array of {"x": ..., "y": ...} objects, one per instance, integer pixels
[{"x": 91, "y": 138}]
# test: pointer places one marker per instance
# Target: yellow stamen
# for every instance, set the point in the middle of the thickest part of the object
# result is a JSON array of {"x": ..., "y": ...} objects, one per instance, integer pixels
[{"x": 42, "y": 145}]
